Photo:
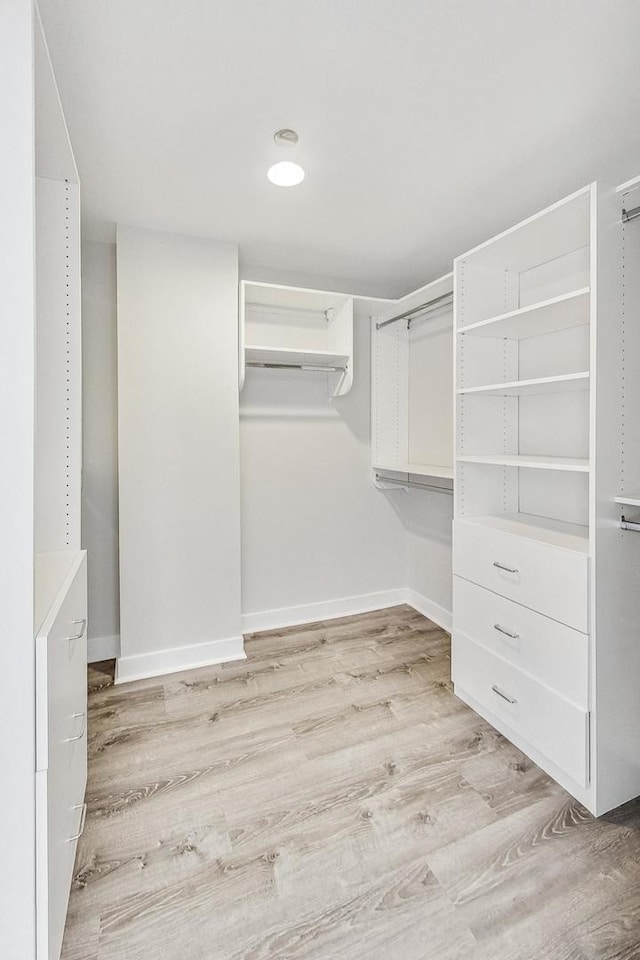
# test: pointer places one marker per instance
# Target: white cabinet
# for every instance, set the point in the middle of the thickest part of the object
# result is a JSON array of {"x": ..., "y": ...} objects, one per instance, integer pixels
[
  {"x": 61, "y": 738},
  {"x": 544, "y": 614},
  {"x": 530, "y": 571},
  {"x": 297, "y": 329}
]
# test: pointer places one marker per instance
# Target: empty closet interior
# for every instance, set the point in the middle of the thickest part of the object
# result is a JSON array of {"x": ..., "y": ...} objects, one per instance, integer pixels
[{"x": 287, "y": 447}]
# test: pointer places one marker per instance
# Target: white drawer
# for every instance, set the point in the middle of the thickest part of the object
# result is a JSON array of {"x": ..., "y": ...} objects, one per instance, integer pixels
[
  {"x": 552, "y": 653},
  {"x": 61, "y": 658},
  {"x": 59, "y": 819},
  {"x": 545, "y": 578},
  {"x": 546, "y": 721}
]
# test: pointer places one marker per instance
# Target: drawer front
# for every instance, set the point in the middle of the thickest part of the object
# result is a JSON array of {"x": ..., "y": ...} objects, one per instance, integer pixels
[
  {"x": 58, "y": 821},
  {"x": 548, "y": 722},
  {"x": 550, "y": 652},
  {"x": 62, "y": 682},
  {"x": 544, "y": 578}
]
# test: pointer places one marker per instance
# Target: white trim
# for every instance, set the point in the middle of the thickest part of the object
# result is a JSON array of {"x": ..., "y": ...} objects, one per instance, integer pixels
[
  {"x": 103, "y": 648},
  {"x": 324, "y": 610},
  {"x": 429, "y": 609},
  {"x": 345, "y": 607},
  {"x": 159, "y": 662}
]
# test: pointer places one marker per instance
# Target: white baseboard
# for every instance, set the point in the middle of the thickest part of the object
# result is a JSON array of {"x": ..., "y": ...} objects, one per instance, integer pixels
[
  {"x": 159, "y": 662},
  {"x": 325, "y": 610},
  {"x": 103, "y": 648},
  {"x": 428, "y": 608}
]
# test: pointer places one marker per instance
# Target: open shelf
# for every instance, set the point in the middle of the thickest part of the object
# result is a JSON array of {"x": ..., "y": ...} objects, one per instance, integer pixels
[
  {"x": 568, "y": 536},
  {"x": 548, "y": 316},
  {"x": 629, "y": 499},
  {"x": 523, "y": 388},
  {"x": 570, "y": 464},
  {"x": 292, "y": 357},
  {"x": 418, "y": 470}
]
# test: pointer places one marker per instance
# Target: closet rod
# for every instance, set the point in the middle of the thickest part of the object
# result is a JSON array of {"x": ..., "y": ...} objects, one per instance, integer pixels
[
  {"x": 630, "y": 214},
  {"x": 427, "y": 306},
  {"x": 633, "y": 523},
  {"x": 295, "y": 366},
  {"x": 415, "y": 483}
]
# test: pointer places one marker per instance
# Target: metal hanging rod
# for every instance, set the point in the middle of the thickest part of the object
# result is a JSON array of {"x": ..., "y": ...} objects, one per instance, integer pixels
[
  {"x": 630, "y": 214},
  {"x": 427, "y": 307},
  {"x": 295, "y": 366},
  {"x": 415, "y": 483},
  {"x": 632, "y": 523}
]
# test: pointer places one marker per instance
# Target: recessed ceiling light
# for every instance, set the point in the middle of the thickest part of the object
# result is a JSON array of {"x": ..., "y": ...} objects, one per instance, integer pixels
[{"x": 286, "y": 174}]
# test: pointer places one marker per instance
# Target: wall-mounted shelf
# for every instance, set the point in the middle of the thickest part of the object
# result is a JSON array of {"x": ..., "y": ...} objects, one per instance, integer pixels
[
  {"x": 547, "y": 316},
  {"x": 291, "y": 357},
  {"x": 417, "y": 470},
  {"x": 296, "y": 328},
  {"x": 422, "y": 476},
  {"x": 523, "y": 388},
  {"x": 629, "y": 499},
  {"x": 570, "y": 464}
]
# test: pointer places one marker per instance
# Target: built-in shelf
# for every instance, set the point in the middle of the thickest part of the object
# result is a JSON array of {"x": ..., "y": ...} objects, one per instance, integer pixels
[
  {"x": 569, "y": 536},
  {"x": 291, "y": 357},
  {"x": 570, "y": 464},
  {"x": 523, "y": 388},
  {"x": 629, "y": 499},
  {"x": 417, "y": 470},
  {"x": 547, "y": 316}
]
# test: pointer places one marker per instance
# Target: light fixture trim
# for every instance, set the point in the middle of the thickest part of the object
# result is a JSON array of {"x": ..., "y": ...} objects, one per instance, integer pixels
[{"x": 286, "y": 173}]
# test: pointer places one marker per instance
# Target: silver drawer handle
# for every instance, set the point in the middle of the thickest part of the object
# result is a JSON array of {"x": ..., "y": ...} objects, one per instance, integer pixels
[
  {"x": 78, "y": 636},
  {"x": 83, "y": 820},
  {"x": 84, "y": 727},
  {"x": 503, "y": 695},
  {"x": 501, "y": 566},
  {"x": 513, "y": 636}
]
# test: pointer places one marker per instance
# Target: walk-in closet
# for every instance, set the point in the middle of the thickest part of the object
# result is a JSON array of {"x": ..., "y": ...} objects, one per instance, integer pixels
[{"x": 321, "y": 492}]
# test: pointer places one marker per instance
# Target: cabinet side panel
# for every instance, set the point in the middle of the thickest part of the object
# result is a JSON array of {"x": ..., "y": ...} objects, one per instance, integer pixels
[{"x": 617, "y": 552}]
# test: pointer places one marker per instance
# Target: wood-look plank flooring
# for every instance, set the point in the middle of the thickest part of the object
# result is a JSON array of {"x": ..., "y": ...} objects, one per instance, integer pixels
[{"x": 330, "y": 798}]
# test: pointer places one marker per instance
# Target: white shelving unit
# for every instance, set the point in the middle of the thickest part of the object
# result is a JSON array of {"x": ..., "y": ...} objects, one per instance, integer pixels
[
  {"x": 541, "y": 444},
  {"x": 298, "y": 329},
  {"x": 411, "y": 390},
  {"x": 59, "y": 574}
]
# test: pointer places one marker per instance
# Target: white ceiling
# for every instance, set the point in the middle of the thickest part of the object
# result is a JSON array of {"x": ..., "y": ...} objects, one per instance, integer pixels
[{"x": 425, "y": 125}]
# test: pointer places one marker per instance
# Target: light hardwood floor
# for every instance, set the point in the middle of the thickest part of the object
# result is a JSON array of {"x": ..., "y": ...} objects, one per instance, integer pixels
[{"x": 330, "y": 798}]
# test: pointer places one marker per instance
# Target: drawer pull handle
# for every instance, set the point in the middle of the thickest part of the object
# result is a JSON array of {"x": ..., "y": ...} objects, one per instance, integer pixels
[
  {"x": 83, "y": 820},
  {"x": 502, "y": 566},
  {"x": 83, "y": 728},
  {"x": 503, "y": 695},
  {"x": 507, "y": 633},
  {"x": 78, "y": 636}
]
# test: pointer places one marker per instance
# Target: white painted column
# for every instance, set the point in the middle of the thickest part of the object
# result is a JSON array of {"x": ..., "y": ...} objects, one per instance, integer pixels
[
  {"x": 179, "y": 484},
  {"x": 17, "y": 375}
]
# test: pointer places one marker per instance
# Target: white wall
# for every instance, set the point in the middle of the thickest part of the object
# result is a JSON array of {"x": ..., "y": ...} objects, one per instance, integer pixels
[
  {"x": 100, "y": 447},
  {"x": 427, "y": 518},
  {"x": 314, "y": 528},
  {"x": 17, "y": 375},
  {"x": 178, "y": 452}
]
